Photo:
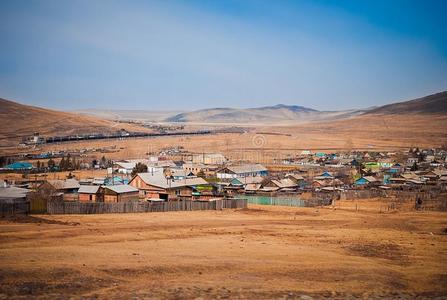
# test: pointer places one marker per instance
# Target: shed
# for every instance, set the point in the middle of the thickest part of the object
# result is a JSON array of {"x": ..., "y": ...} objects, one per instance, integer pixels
[
  {"x": 90, "y": 193},
  {"x": 120, "y": 193}
]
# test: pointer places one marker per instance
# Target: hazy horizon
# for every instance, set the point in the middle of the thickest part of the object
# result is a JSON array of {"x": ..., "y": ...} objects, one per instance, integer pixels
[{"x": 188, "y": 55}]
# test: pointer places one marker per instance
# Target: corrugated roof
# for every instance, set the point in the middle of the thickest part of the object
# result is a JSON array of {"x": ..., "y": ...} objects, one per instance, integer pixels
[
  {"x": 12, "y": 192},
  {"x": 65, "y": 184},
  {"x": 88, "y": 189},
  {"x": 126, "y": 165},
  {"x": 296, "y": 176},
  {"x": 249, "y": 168},
  {"x": 370, "y": 178},
  {"x": 250, "y": 179},
  {"x": 123, "y": 188},
  {"x": 158, "y": 179},
  {"x": 252, "y": 187}
]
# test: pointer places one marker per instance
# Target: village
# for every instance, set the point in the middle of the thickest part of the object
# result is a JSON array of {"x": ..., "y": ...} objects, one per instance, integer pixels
[
  {"x": 173, "y": 175},
  {"x": 289, "y": 150}
]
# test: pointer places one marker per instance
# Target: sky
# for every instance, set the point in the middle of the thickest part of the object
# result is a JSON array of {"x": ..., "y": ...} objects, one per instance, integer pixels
[{"x": 193, "y": 54}]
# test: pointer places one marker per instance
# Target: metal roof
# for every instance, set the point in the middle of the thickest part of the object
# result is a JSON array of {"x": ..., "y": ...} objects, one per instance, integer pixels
[
  {"x": 88, "y": 189},
  {"x": 158, "y": 179},
  {"x": 249, "y": 168},
  {"x": 65, "y": 184},
  {"x": 121, "y": 189},
  {"x": 12, "y": 192}
]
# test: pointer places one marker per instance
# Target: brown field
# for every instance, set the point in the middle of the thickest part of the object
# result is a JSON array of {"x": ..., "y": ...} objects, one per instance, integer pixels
[
  {"x": 257, "y": 253},
  {"x": 262, "y": 144}
]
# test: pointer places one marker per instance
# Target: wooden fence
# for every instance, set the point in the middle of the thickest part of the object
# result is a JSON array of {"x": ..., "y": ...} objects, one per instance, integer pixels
[
  {"x": 140, "y": 207},
  {"x": 285, "y": 201},
  {"x": 14, "y": 208}
]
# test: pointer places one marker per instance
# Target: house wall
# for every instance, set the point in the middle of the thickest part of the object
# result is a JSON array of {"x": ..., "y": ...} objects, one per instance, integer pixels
[
  {"x": 226, "y": 175},
  {"x": 182, "y": 191},
  {"x": 126, "y": 197},
  {"x": 84, "y": 197},
  {"x": 71, "y": 196},
  {"x": 146, "y": 191}
]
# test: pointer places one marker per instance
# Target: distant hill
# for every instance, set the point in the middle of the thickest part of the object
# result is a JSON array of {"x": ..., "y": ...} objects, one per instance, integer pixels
[
  {"x": 432, "y": 104},
  {"x": 127, "y": 114},
  {"x": 267, "y": 114},
  {"x": 19, "y": 120}
]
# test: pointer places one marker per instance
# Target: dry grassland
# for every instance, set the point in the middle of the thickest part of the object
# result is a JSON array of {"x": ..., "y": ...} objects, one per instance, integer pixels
[{"x": 256, "y": 253}]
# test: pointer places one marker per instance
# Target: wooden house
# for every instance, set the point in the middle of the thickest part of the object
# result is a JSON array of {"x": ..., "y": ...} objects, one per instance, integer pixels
[
  {"x": 284, "y": 184},
  {"x": 119, "y": 193},
  {"x": 242, "y": 171},
  {"x": 367, "y": 180},
  {"x": 157, "y": 185},
  {"x": 69, "y": 188},
  {"x": 90, "y": 193}
]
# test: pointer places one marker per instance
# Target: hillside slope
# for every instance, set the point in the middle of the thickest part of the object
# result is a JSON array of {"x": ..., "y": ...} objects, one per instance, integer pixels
[
  {"x": 19, "y": 120},
  {"x": 432, "y": 104},
  {"x": 262, "y": 115}
]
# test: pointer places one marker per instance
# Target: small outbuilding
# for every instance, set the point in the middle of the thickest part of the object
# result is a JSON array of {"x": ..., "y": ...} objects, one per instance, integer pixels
[
  {"x": 90, "y": 193},
  {"x": 120, "y": 193}
]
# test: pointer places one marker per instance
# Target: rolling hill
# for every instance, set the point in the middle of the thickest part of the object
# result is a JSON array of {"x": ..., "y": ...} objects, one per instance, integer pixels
[
  {"x": 269, "y": 114},
  {"x": 432, "y": 104},
  {"x": 19, "y": 120}
]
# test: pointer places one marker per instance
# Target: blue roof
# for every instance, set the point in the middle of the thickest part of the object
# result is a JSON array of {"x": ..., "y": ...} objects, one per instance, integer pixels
[
  {"x": 19, "y": 165},
  {"x": 361, "y": 181},
  {"x": 116, "y": 180}
]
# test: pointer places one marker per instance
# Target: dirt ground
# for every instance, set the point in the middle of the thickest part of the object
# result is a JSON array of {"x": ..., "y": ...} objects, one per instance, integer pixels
[{"x": 255, "y": 253}]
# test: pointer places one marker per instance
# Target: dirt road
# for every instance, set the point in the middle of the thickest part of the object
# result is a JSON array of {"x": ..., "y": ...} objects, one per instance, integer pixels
[{"x": 257, "y": 253}]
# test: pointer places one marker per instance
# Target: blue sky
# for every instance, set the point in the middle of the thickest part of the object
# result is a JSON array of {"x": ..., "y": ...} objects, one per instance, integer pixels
[{"x": 328, "y": 55}]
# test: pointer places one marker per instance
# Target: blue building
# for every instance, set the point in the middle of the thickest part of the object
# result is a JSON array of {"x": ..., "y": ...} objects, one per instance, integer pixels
[{"x": 19, "y": 166}]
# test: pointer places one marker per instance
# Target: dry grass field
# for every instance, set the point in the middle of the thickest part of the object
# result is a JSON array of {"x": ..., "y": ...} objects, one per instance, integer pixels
[
  {"x": 262, "y": 144},
  {"x": 257, "y": 253}
]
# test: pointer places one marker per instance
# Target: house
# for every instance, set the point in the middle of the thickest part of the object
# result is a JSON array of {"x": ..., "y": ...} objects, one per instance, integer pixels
[
  {"x": 325, "y": 176},
  {"x": 325, "y": 183},
  {"x": 208, "y": 159},
  {"x": 241, "y": 182},
  {"x": 12, "y": 194},
  {"x": 99, "y": 180},
  {"x": 320, "y": 155},
  {"x": 90, "y": 193},
  {"x": 284, "y": 184},
  {"x": 395, "y": 169},
  {"x": 157, "y": 185},
  {"x": 124, "y": 167},
  {"x": 252, "y": 188},
  {"x": 306, "y": 152},
  {"x": 367, "y": 180},
  {"x": 68, "y": 187},
  {"x": 19, "y": 166},
  {"x": 319, "y": 183},
  {"x": 242, "y": 171},
  {"x": 179, "y": 173},
  {"x": 160, "y": 165},
  {"x": 119, "y": 193},
  {"x": 115, "y": 180},
  {"x": 297, "y": 178}
]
